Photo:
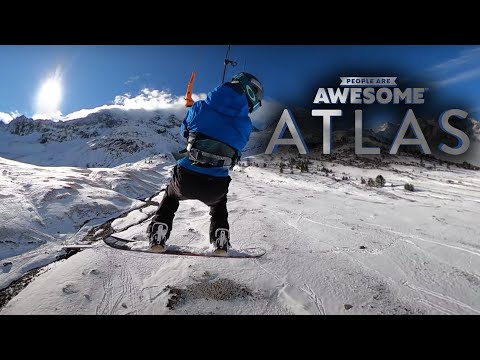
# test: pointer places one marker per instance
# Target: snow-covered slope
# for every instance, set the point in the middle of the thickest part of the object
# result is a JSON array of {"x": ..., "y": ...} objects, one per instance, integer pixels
[
  {"x": 104, "y": 139},
  {"x": 42, "y": 207},
  {"x": 59, "y": 178},
  {"x": 334, "y": 246}
]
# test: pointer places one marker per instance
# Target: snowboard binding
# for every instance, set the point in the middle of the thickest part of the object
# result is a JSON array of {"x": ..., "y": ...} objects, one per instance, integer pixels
[
  {"x": 222, "y": 241},
  {"x": 157, "y": 236}
]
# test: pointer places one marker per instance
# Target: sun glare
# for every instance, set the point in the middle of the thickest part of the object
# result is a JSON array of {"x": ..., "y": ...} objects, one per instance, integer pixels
[{"x": 49, "y": 96}]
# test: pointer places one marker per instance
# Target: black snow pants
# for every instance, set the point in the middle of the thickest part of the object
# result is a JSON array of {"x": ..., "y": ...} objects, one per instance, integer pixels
[{"x": 189, "y": 185}]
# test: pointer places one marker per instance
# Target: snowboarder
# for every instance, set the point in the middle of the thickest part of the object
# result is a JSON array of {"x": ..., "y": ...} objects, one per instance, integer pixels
[{"x": 216, "y": 129}]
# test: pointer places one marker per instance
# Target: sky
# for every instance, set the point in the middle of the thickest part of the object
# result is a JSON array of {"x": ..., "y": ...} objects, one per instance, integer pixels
[{"x": 54, "y": 81}]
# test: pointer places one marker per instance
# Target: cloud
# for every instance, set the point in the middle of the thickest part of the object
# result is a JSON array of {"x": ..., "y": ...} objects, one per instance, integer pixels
[
  {"x": 153, "y": 99},
  {"x": 55, "y": 116},
  {"x": 475, "y": 110},
  {"x": 462, "y": 76},
  {"x": 6, "y": 118},
  {"x": 461, "y": 68},
  {"x": 132, "y": 79},
  {"x": 148, "y": 99},
  {"x": 471, "y": 56}
]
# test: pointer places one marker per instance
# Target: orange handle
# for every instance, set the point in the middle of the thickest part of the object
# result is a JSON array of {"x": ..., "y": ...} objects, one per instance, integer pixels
[{"x": 188, "y": 96}]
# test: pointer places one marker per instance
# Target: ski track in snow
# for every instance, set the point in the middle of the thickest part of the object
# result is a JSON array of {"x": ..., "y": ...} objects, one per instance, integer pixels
[
  {"x": 329, "y": 243},
  {"x": 118, "y": 291},
  {"x": 425, "y": 240},
  {"x": 305, "y": 288},
  {"x": 442, "y": 297}
]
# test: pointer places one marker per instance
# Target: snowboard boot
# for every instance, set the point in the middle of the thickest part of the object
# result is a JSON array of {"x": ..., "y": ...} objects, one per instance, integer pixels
[
  {"x": 157, "y": 236},
  {"x": 221, "y": 243}
]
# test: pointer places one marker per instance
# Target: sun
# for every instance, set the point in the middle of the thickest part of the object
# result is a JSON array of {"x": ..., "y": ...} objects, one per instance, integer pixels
[{"x": 49, "y": 96}]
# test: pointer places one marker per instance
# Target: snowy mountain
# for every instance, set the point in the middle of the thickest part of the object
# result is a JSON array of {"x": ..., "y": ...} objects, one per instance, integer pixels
[
  {"x": 104, "y": 139},
  {"x": 386, "y": 132},
  {"x": 476, "y": 128}
]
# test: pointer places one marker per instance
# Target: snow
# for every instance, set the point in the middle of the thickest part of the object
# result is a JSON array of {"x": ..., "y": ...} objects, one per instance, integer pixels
[
  {"x": 42, "y": 208},
  {"x": 150, "y": 210},
  {"x": 134, "y": 217},
  {"x": 333, "y": 246},
  {"x": 104, "y": 139}
]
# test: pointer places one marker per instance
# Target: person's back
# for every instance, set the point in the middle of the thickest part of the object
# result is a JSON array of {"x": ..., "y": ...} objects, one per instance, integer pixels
[
  {"x": 222, "y": 116},
  {"x": 216, "y": 129}
]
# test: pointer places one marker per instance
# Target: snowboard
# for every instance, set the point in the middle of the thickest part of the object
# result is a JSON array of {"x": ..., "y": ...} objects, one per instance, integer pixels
[{"x": 142, "y": 246}]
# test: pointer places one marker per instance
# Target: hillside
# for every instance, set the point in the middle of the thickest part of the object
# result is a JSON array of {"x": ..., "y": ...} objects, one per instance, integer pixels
[{"x": 334, "y": 246}]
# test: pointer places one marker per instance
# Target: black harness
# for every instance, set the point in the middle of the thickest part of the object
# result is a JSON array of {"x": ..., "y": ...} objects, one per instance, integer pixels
[{"x": 204, "y": 151}]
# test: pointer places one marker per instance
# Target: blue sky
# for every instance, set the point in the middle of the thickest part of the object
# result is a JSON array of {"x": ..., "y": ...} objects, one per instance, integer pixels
[{"x": 92, "y": 76}]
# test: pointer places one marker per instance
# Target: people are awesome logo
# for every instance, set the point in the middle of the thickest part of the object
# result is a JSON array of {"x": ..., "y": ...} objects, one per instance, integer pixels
[{"x": 365, "y": 91}]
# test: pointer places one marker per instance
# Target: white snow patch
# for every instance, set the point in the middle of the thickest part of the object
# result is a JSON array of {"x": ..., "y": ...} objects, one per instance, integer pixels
[{"x": 133, "y": 218}]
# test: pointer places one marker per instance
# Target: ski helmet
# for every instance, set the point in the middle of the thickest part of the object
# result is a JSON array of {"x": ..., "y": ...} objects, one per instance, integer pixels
[{"x": 252, "y": 88}]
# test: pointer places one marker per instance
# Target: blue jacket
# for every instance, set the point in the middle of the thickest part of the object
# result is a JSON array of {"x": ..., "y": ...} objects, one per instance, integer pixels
[{"x": 223, "y": 116}]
